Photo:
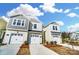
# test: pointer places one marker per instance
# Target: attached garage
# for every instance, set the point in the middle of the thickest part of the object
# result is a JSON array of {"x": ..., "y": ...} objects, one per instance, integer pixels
[
  {"x": 35, "y": 38},
  {"x": 57, "y": 39},
  {"x": 56, "y": 36},
  {"x": 16, "y": 38},
  {"x": 13, "y": 37}
]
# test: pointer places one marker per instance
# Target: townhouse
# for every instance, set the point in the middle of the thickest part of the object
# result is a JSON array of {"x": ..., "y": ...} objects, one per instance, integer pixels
[
  {"x": 74, "y": 35},
  {"x": 52, "y": 33},
  {"x": 23, "y": 28}
]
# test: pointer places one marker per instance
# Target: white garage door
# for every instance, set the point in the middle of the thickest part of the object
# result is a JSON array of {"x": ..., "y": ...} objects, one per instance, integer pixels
[
  {"x": 35, "y": 39},
  {"x": 57, "y": 39},
  {"x": 16, "y": 38}
]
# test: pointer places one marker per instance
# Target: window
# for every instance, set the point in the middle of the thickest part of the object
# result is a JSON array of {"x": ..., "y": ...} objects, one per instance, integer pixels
[
  {"x": 19, "y": 22},
  {"x": 20, "y": 34},
  {"x": 7, "y": 34},
  {"x": 35, "y": 26},
  {"x": 14, "y": 22},
  {"x": 54, "y": 27},
  {"x": 22, "y": 23}
]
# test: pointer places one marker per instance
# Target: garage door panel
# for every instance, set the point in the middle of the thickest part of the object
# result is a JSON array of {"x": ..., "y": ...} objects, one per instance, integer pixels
[
  {"x": 35, "y": 39},
  {"x": 15, "y": 39}
]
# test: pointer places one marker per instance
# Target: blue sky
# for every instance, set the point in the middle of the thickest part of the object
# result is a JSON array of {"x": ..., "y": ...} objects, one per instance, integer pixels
[{"x": 50, "y": 16}]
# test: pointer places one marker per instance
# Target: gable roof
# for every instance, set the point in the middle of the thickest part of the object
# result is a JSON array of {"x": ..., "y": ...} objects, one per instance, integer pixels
[
  {"x": 51, "y": 23},
  {"x": 30, "y": 18}
]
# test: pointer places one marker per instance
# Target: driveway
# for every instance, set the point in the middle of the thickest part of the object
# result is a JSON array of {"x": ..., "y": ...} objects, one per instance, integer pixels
[
  {"x": 9, "y": 49},
  {"x": 37, "y": 49}
]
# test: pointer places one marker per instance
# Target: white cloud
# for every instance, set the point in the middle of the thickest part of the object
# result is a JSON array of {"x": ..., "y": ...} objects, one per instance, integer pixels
[
  {"x": 73, "y": 15},
  {"x": 5, "y": 18},
  {"x": 67, "y": 10},
  {"x": 50, "y": 7},
  {"x": 76, "y": 8},
  {"x": 25, "y": 9},
  {"x": 61, "y": 23},
  {"x": 73, "y": 28}
]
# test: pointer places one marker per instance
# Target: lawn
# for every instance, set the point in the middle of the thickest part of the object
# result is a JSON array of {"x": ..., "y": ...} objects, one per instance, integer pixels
[
  {"x": 62, "y": 50},
  {"x": 24, "y": 50}
]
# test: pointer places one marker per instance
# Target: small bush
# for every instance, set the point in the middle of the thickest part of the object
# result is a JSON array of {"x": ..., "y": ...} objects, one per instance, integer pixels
[
  {"x": 26, "y": 43},
  {"x": 55, "y": 42},
  {"x": 51, "y": 42},
  {"x": 47, "y": 42}
]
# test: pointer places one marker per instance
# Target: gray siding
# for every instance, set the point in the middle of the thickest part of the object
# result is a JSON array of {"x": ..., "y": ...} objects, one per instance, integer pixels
[
  {"x": 30, "y": 26},
  {"x": 24, "y": 28}
]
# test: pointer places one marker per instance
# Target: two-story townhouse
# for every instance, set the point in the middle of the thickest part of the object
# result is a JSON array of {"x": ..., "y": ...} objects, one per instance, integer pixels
[
  {"x": 52, "y": 32},
  {"x": 35, "y": 31},
  {"x": 16, "y": 30},
  {"x": 23, "y": 28}
]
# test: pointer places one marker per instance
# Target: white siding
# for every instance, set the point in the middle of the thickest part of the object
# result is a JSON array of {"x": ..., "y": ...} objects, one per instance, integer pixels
[
  {"x": 48, "y": 35},
  {"x": 51, "y": 27}
]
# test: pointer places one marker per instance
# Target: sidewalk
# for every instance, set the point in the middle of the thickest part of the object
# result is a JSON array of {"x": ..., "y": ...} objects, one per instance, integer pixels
[
  {"x": 9, "y": 49},
  {"x": 41, "y": 50},
  {"x": 70, "y": 46}
]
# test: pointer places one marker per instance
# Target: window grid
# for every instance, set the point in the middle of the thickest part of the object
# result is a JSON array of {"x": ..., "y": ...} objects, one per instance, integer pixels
[
  {"x": 54, "y": 27},
  {"x": 35, "y": 26},
  {"x": 18, "y": 22}
]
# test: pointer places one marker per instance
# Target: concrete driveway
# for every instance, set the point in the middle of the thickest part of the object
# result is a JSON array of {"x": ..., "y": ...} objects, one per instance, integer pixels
[
  {"x": 9, "y": 49},
  {"x": 37, "y": 49}
]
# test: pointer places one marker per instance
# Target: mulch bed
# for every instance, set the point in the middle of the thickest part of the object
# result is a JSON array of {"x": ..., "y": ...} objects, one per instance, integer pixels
[
  {"x": 62, "y": 50},
  {"x": 24, "y": 50}
]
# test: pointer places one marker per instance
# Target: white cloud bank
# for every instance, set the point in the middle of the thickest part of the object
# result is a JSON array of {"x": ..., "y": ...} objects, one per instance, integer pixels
[
  {"x": 73, "y": 28},
  {"x": 73, "y": 15},
  {"x": 49, "y": 7},
  {"x": 5, "y": 18},
  {"x": 76, "y": 8},
  {"x": 67, "y": 10},
  {"x": 25, "y": 9}
]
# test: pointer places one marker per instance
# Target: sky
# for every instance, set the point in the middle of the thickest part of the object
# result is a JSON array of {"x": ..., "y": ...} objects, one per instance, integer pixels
[{"x": 66, "y": 14}]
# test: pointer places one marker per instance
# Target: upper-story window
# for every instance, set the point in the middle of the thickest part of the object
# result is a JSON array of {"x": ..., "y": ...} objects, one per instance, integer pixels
[
  {"x": 19, "y": 22},
  {"x": 14, "y": 22},
  {"x": 35, "y": 26},
  {"x": 54, "y": 27},
  {"x": 22, "y": 23}
]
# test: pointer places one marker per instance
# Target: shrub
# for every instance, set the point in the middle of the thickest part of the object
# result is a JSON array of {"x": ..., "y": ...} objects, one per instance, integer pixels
[
  {"x": 26, "y": 43},
  {"x": 51, "y": 42},
  {"x": 55, "y": 42},
  {"x": 47, "y": 42}
]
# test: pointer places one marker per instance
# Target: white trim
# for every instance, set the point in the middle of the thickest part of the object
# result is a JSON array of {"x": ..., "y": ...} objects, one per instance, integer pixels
[{"x": 39, "y": 1}]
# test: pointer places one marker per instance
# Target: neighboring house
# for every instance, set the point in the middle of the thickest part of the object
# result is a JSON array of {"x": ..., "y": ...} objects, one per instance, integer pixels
[
  {"x": 3, "y": 24},
  {"x": 52, "y": 32},
  {"x": 23, "y": 28},
  {"x": 74, "y": 35}
]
